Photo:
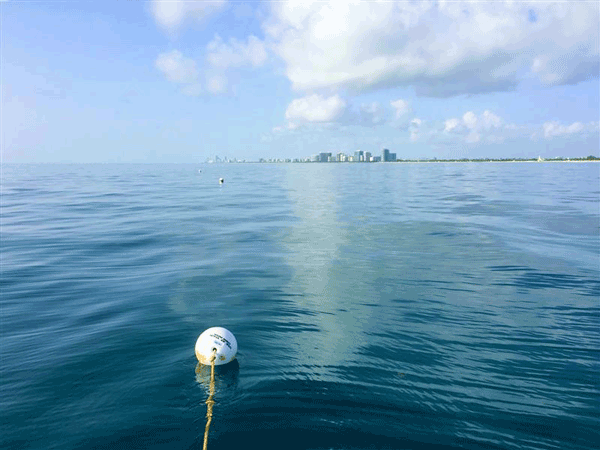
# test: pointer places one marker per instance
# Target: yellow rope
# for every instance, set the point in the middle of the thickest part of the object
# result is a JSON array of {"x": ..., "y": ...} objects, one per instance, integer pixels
[{"x": 210, "y": 402}]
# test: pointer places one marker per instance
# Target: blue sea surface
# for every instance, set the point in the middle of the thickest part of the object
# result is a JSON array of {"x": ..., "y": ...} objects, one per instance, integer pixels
[{"x": 379, "y": 306}]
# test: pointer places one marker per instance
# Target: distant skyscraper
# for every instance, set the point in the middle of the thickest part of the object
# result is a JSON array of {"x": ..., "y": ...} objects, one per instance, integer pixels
[
  {"x": 392, "y": 157},
  {"x": 385, "y": 157},
  {"x": 367, "y": 156},
  {"x": 359, "y": 155},
  {"x": 324, "y": 157}
]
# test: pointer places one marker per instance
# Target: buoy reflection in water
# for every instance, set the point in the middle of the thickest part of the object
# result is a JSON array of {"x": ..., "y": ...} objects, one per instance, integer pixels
[{"x": 226, "y": 376}]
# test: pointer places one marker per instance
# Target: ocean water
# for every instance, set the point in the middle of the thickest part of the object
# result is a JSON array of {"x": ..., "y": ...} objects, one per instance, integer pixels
[{"x": 379, "y": 306}]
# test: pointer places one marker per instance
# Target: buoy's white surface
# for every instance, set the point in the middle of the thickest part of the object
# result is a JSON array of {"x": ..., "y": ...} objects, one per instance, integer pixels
[
  {"x": 221, "y": 180},
  {"x": 221, "y": 339}
]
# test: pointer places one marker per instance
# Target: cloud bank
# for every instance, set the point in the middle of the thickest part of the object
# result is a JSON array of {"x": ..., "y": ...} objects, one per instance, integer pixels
[{"x": 441, "y": 48}]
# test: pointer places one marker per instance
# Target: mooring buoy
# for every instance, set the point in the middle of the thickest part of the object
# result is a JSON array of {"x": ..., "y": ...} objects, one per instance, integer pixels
[{"x": 216, "y": 338}]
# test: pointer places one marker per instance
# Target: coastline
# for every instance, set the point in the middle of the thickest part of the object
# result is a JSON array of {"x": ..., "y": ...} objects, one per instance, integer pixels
[{"x": 498, "y": 161}]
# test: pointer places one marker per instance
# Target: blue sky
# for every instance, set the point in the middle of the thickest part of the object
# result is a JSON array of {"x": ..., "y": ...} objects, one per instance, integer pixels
[{"x": 133, "y": 81}]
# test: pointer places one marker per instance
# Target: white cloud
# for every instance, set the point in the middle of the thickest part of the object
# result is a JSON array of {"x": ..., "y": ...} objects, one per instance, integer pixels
[
  {"x": 170, "y": 14},
  {"x": 331, "y": 111},
  {"x": 490, "y": 120},
  {"x": 222, "y": 57},
  {"x": 451, "y": 124},
  {"x": 401, "y": 106},
  {"x": 236, "y": 53},
  {"x": 554, "y": 128},
  {"x": 441, "y": 48},
  {"x": 315, "y": 109},
  {"x": 402, "y": 113},
  {"x": 471, "y": 126},
  {"x": 470, "y": 120},
  {"x": 177, "y": 68},
  {"x": 488, "y": 127},
  {"x": 415, "y": 125}
]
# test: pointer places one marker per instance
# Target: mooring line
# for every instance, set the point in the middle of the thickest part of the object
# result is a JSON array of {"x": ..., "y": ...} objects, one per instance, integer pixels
[{"x": 210, "y": 402}]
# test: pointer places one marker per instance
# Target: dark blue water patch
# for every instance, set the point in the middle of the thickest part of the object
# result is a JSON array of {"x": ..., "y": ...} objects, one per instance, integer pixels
[
  {"x": 332, "y": 417},
  {"x": 462, "y": 198},
  {"x": 327, "y": 438},
  {"x": 508, "y": 268},
  {"x": 425, "y": 357},
  {"x": 443, "y": 234},
  {"x": 310, "y": 406},
  {"x": 529, "y": 278},
  {"x": 483, "y": 207},
  {"x": 455, "y": 175},
  {"x": 443, "y": 285},
  {"x": 130, "y": 240},
  {"x": 291, "y": 327},
  {"x": 173, "y": 433}
]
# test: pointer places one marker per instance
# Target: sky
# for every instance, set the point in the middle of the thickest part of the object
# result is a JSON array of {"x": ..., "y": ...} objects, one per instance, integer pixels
[{"x": 168, "y": 81}]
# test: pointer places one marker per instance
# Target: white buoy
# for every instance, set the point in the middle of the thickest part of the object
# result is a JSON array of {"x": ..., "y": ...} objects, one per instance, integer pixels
[
  {"x": 221, "y": 180},
  {"x": 216, "y": 338}
]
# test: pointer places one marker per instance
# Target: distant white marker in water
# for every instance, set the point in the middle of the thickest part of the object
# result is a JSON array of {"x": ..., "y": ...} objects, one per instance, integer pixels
[{"x": 221, "y": 180}]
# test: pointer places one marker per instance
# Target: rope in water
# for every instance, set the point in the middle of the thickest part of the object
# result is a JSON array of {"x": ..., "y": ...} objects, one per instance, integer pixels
[{"x": 210, "y": 402}]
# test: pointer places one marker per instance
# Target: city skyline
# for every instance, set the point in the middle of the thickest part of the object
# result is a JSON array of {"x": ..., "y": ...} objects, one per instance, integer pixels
[{"x": 361, "y": 156}]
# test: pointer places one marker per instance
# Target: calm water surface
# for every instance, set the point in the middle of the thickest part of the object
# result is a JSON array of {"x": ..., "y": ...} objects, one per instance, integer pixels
[{"x": 380, "y": 306}]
